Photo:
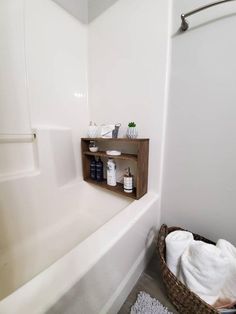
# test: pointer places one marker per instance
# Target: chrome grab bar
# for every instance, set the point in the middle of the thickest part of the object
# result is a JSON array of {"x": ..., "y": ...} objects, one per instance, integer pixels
[
  {"x": 185, "y": 24},
  {"x": 17, "y": 138}
]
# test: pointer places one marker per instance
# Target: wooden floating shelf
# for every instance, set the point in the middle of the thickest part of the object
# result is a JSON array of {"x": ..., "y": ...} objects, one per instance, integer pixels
[
  {"x": 118, "y": 188},
  {"x": 136, "y": 151},
  {"x": 122, "y": 156}
]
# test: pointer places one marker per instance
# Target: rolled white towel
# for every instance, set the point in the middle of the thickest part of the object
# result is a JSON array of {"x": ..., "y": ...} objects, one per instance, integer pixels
[
  {"x": 176, "y": 243},
  {"x": 229, "y": 289},
  {"x": 203, "y": 269}
]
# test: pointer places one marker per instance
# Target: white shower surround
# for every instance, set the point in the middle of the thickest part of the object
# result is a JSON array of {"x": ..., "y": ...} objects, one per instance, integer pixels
[{"x": 57, "y": 80}]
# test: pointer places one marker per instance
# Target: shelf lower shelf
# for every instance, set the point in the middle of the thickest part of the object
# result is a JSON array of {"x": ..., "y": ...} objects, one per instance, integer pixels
[{"x": 118, "y": 188}]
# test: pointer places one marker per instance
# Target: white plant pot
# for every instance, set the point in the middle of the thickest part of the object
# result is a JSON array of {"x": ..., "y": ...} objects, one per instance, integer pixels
[{"x": 132, "y": 132}]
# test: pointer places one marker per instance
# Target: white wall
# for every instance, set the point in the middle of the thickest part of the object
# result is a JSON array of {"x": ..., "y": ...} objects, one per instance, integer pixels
[
  {"x": 199, "y": 190},
  {"x": 127, "y": 70}
]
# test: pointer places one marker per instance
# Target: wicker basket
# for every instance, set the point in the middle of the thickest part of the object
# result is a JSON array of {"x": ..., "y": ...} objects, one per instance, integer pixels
[{"x": 185, "y": 301}]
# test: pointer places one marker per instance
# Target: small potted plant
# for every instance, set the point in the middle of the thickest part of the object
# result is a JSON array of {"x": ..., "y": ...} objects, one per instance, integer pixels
[{"x": 132, "y": 131}]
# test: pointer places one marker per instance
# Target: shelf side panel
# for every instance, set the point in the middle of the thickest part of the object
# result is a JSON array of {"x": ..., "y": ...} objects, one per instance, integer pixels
[
  {"x": 85, "y": 159},
  {"x": 142, "y": 168}
]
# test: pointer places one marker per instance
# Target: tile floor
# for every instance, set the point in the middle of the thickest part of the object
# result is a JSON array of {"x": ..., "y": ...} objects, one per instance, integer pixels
[{"x": 150, "y": 281}]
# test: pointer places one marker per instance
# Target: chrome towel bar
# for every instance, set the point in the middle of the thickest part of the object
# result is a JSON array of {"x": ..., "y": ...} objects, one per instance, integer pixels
[
  {"x": 17, "y": 138},
  {"x": 185, "y": 25}
]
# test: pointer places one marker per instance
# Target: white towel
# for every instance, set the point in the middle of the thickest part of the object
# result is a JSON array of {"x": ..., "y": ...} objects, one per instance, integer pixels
[
  {"x": 229, "y": 289},
  {"x": 176, "y": 243},
  {"x": 203, "y": 269}
]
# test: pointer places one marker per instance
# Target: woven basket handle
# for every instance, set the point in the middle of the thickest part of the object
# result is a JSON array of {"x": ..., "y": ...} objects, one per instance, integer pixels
[
  {"x": 164, "y": 230},
  {"x": 161, "y": 241}
]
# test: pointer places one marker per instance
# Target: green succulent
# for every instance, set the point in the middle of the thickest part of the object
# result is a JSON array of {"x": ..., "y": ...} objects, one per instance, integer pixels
[{"x": 132, "y": 125}]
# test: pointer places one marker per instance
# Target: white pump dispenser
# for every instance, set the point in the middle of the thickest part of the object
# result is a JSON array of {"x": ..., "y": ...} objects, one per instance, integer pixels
[{"x": 128, "y": 182}]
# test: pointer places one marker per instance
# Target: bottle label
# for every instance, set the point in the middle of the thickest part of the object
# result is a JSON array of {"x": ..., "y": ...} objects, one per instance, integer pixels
[
  {"x": 93, "y": 172},
  {"x": 111, "y": 173},
  {"x": 128, "y": 184},
  {"x": 99, "y": 172}
]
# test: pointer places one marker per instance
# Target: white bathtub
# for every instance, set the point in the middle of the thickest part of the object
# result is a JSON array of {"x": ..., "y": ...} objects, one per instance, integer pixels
[{"x": 97, "y": 274}]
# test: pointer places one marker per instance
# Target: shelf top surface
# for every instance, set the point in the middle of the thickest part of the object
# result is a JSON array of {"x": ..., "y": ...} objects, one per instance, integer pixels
[{"x": 115, "y": 139}]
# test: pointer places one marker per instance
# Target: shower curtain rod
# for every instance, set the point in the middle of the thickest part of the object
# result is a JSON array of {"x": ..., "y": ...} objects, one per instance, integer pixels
[{"x": 185, "y": 25}]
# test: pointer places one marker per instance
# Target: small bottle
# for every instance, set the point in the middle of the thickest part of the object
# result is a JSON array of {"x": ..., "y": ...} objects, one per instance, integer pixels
[
  {"x": 93, "y": 169},
  {"x": 111, "y": 172},
  {"x": 128, "y": 182},
  {"x": 99, "y": 170}
]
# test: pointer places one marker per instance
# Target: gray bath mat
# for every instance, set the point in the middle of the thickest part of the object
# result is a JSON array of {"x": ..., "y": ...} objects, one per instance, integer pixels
[{"x": 145, "y": 304}]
